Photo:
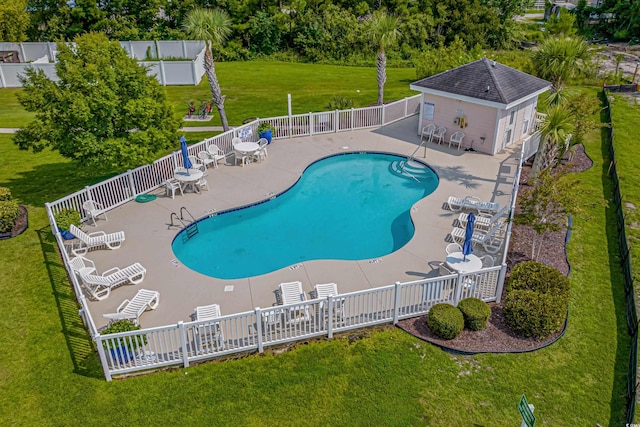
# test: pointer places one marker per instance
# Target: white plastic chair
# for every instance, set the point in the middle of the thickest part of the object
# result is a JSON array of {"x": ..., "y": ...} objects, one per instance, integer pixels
[
  {"x": 443, "y": 270},
  {"x": 95, "y": 240},
  {"x": 206, "y": 158},
  {"x": 472, "y": 202},
  {"x": 456, "y": 138},
  {"x": 195, "y": 163},
  {"x": 216, "y": 154},
  {"x": 132, "y": 309},
  {"x": 209, "y": 332},
  {"x": 202, "y": 182},
  {"x": 487, "y": 261},
  {"x": 453, "y": 247},
  {"x": 261, "y": 153},
  {"x": 171, "y": 185},
  {"x": 94, "y": 209},
  {"x": 291, "y": 293},
  {"x": 99, "y": 286},
  {"x": 323, "y": 290},
  {"x": 241, "y": 157},
  {"x": 427, "y": 131},
  {"x": 438, "y": 134},
  {"x": 484, "y": 221}
]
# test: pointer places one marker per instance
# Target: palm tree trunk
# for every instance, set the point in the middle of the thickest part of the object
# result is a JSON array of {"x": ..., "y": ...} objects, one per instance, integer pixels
[
  {"x": 216, "y": 93},
  {"x": 381, "y": 65}
]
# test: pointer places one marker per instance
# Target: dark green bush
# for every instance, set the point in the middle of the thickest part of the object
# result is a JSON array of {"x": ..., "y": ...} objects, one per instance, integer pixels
[
  {"x": 66, "y": 217},
  {"x": 476, "y": 313},
  {"x": 5, "y": 194},
  {"x": 445, "y": 321},
  {"x": 132, "y": 343},
  {"x": 9, "y": 212},
  {"x": 535, "y": 276},
  {"x": 534, "y": 314}
]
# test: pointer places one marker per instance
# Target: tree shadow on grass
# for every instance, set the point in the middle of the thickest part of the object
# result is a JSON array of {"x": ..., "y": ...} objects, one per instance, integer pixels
[
  {"x": 49, "y": 182},
  {"x": 79, "y": 342}
]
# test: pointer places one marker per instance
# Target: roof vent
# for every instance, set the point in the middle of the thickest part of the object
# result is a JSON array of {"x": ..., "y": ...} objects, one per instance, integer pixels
[
  {"x": 493, "y": 63},
  {"x": 487, "y": 89}
]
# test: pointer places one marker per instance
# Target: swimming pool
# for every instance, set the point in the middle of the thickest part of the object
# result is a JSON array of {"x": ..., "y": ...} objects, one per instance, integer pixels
[{"x": 349, "y": 207}]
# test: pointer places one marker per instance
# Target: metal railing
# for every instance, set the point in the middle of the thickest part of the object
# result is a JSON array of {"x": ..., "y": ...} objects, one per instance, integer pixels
[{"x": 188, "y": 342}]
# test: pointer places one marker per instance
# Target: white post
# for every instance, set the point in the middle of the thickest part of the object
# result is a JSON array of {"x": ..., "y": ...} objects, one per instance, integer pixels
[
  {"x": 310, "y": 124},
  {"x": 336, "y": 121},
  {"x": 383, "y": 109},
  {"x": 24, "y": 56},
  {"x": 184, "y": 49},
  {"x": 258, "y": 312},
  {"x": 396, "y": 303},
  {"x": 406, "y": 106},
  {"x": 500, "y": 284},
  {"x": 163, "y": 81},
  {"x": 132, "y": 187},
  {"x": 420, "y": 108},
  {"x": 183, "y": 344},
  {"x": 3, "y": 82},
  {"x": 103, "y": 357},
  {"x": 289, "y": 112},
  {"x": 458, "y": 290},
  {"x": 353, "y": 119},
  {"x": 330, "y": 314}
]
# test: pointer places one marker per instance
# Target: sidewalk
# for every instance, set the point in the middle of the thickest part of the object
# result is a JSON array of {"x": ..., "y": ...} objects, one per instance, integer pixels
[{"x": 188, "y": 129}]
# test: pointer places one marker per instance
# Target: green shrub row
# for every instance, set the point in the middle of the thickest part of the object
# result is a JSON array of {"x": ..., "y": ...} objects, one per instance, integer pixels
[
  {"x": 537, "y": 300},
  {"x": 476, "y": 313}
]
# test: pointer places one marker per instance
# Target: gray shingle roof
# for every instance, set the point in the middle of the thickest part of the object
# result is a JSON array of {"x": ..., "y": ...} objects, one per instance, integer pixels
[{"x": 486, "y": 80}]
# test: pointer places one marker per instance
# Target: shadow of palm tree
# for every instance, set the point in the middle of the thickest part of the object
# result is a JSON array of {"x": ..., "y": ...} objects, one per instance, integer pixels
[{"x": 79, "y": 342}]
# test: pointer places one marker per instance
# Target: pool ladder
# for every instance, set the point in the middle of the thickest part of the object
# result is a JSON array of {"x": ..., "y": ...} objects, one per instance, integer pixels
[
  {"x": 191, "y": 227},
  {"x": 403, "y": 163}
]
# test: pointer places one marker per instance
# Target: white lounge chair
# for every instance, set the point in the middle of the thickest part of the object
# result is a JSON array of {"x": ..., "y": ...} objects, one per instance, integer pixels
[
  {"x": 484, "y": 221},
  {"x": 94, "y": 209},
  {"x": 210, "y": 332},
  {"x": 323, "y": 290},
  {"x": 472, "y": 203},
  {"x": 491, "y": 240},
  {"x": 99, "y": 286},
  {"x": 443, "y": 270},
  {"x": 216, "y": 154},
  {"x": 291, "y": 293},
  {"x": 95, "y": 240},
  {"x": 132, "y": 309}
]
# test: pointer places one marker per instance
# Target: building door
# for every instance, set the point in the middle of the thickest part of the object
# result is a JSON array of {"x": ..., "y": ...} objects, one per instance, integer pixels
[{"x": 509, "y": 128}]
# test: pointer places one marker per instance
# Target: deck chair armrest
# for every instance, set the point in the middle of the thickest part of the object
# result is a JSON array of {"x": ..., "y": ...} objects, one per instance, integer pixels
[
  {"x": 122, "y": 305},
  {"x": 97, "y": 233},
  {"x": 110, "y": 271}
]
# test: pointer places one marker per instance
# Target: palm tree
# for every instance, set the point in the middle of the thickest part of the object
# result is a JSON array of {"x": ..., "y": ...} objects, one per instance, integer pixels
[
  {"x": 559, "y": 58},
  {"x": 555, "y": 136},
  {"x": 382, "y": 29},
  {"x": 212, "y": 26}
]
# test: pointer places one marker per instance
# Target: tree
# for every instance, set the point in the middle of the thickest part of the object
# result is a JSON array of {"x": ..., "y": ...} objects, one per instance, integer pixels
[
  {"x": 213, "y": 26},
  {"x": 382, "y": 30},
  {"x": 545, "y": 206},
  {"x": 559, "y": 58},
  {"x": 555, "y": 136},
  {"x": 14, "y": 20},
  {"x": 104, "y": 110}
]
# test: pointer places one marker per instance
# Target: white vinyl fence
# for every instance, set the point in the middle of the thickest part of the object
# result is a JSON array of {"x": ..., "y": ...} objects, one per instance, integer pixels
[
  {"x": 185, "y": 343},
  {"x": 158, "y": 56}
]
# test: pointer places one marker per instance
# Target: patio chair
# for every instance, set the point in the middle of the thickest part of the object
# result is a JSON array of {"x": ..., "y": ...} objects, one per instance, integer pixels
[
  {"x": 206, "y": 159},
  {"x": 99, "y": 286},
  {"x": 323, "y": 290},
  {"x": 427, "y": 132},
  {"x": 261, "y": 153},
  {"x": 241, "y": 157},
  {"x": 171, "y": 185},
  {"x": 487, "y": 261},
  {"x": 235, "y": 141},
  {"x": 195, "y": 163},
  {"x": 94, "y": 209},
  {"x": 95, "y": 240},
  {"x": 202, "y": 182},
  {"x": 484, "y": 221},
  {"x": 472, "y": 203},
  {"x": 291, "y": 293},
  {"x": 438, "y": 134},
  {"x": 216, "y": 154},
  {"x": 209, "y": 332},
  {"x": 491, "y": 240},
  {"x": 132, "y": 309},
  {"x": 453, "y": 247},
  {"x": 443, "y": 270},
  {"x": 456, "y": 138}
]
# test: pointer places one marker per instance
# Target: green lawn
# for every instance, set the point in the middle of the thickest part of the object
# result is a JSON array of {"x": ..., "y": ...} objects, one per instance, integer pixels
[
  {"x": 260, "y": 88},
  {"x": 49, "y": 374}
]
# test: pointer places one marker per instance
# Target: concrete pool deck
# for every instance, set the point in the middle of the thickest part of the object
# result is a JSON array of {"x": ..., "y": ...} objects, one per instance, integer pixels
[{"x": 149, "y": 237}]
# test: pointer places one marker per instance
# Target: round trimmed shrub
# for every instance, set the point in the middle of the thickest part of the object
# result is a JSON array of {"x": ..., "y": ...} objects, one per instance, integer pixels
[
  {"x": 5, "y": 194},
  {"x": 9, "y": 212},
  {"x": 445, "y": 320},
  {"x": 66, "y": 217},
  {"x": 534, "y": 314},
  {"x": 476, "y": 313},
  {"x": 535, "y": 276}
]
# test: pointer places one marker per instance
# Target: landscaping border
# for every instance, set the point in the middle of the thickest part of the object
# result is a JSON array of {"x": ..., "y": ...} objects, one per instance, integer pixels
[{"x": 17, "y": 230}]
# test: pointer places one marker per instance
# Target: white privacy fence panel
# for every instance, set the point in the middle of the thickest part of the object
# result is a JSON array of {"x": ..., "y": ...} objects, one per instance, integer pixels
[
  {"x": 530, "y": 146},
  {"x": 189, "y": 342}
]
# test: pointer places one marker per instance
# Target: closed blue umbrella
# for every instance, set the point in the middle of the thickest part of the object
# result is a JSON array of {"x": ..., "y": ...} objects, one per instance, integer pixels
[
  {"x": 467, "y": 246},
  {"x": 185, "y": 154}
]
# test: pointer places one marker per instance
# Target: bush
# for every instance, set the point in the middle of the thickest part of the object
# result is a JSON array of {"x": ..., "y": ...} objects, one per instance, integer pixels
[
  {"x": 5, "y": 194},
  {"x": 534, "y": 314},
  {"x": 476, "y": 313},
  {"x": 535, "y": 276},
  {"x": 445, "y": 320},
  {"x": 9, "y": 212},
  {"x": 66, "y": 217},
  {"x": 132, "y": 343}
]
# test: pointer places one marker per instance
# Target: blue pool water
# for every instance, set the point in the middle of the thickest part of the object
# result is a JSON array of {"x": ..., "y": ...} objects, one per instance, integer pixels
[{"x": 347, "y": 207}]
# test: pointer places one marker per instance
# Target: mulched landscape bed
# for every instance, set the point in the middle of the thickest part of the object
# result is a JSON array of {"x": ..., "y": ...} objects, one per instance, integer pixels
[
  {"x": 497, "y": 336},
  {"x": 21, "y": 224}
]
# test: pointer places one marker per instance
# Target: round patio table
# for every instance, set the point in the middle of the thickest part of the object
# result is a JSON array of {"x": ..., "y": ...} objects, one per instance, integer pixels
[
  {"x": 189, "y": 177},
  {"x": 457, "y": 261}
]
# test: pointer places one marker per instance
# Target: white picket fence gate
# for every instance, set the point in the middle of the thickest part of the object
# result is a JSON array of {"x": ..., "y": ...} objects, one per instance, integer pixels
[{"x": 185, "y": 343}]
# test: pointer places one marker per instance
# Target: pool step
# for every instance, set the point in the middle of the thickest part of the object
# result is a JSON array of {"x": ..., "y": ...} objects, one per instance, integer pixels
[{"x": 411, "y": 169}]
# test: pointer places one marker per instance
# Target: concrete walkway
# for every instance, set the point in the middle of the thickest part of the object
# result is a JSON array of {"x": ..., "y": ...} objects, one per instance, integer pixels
[
  {"x": 187, "y": 129},
  {"x": 149, "y": 236}
]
